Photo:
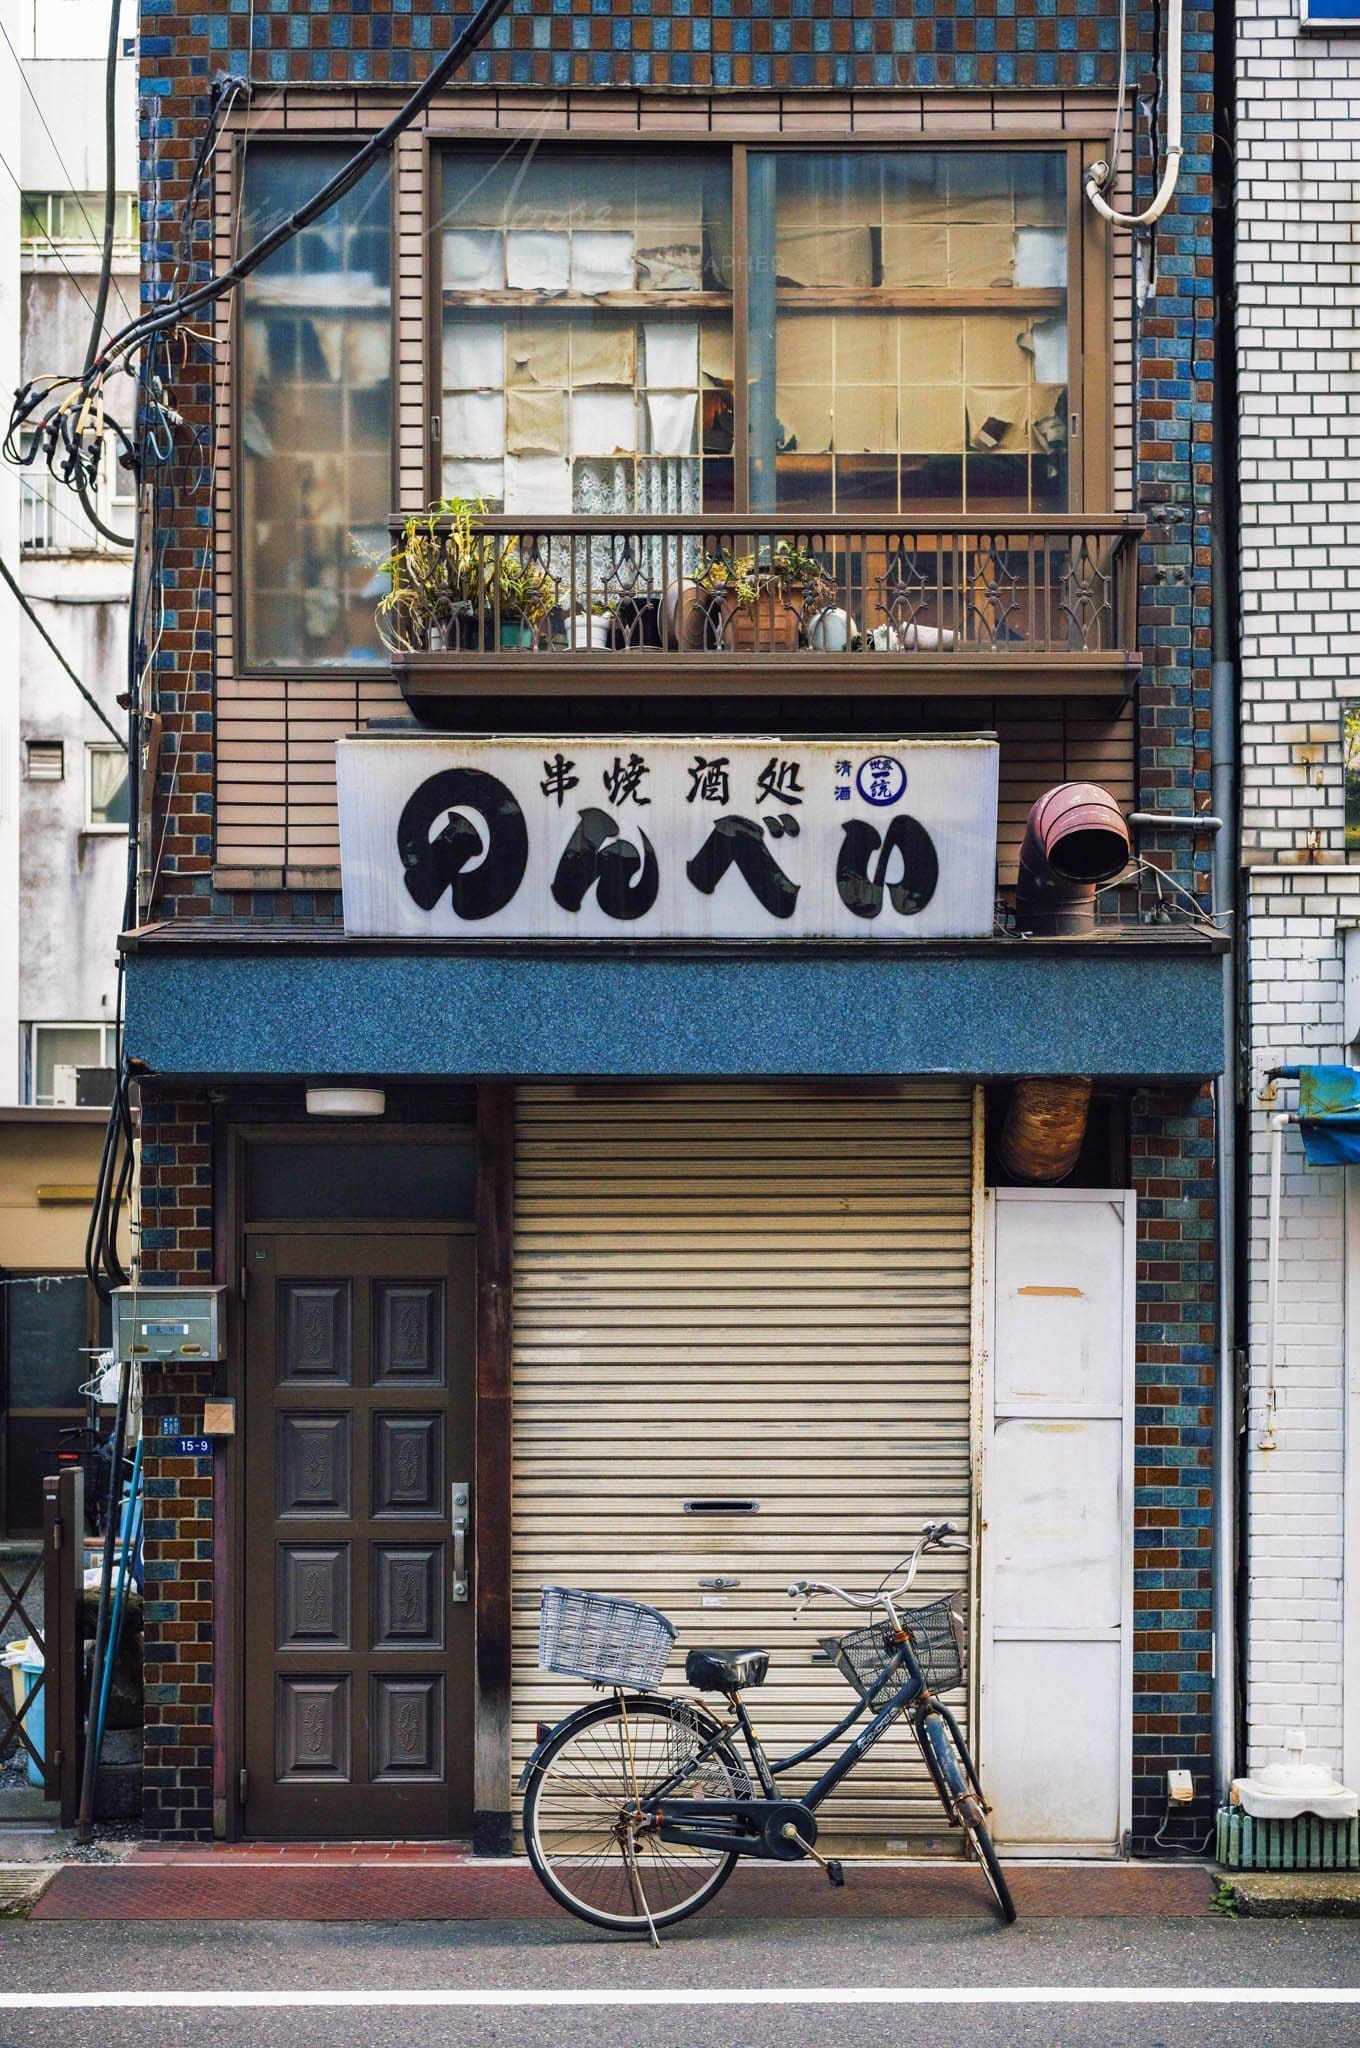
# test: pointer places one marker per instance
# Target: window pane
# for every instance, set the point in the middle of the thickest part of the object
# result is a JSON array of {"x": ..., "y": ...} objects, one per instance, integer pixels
[
  {"x": 45, "y": 1328},
  {"x": 316, "y": 414},
  {"x": 587, "y": 340},
  {"x": 63, "y": 1045},
  {"x": 108, "y": 785},
  {"x": 908, "y": 339},
  {"x": 398, "y": 1183}
]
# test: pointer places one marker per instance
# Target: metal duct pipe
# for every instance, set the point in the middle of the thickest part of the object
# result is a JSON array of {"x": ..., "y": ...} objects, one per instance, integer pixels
[
  {"x": 1075, "y": 838},
  {"x": 1045, "y": 1124}
]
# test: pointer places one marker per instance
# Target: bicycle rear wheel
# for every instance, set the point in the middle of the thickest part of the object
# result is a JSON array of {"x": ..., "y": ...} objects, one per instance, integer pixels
[
  {"x": 580, "y": 1813},
  {"x": 954, "y": 1785}
]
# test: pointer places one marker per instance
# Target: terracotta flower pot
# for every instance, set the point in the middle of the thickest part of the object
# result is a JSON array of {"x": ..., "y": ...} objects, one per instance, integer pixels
[{"x": 773, "y": 623}]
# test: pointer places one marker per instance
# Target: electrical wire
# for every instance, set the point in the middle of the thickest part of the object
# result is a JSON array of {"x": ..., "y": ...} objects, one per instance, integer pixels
[
  {"x": 54, "y": 245},
  {"x": 64, "y": 426},
  {"x": 56, "y": 147},
  {"x": 110, "y": 179},
  {"x": 335, "y": 188},
  {"x": 21, "y": 599},
  {"x": 1099, "y": 177}
]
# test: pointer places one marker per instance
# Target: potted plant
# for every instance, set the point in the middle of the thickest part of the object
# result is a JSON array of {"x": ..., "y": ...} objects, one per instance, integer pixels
[
  {"x": 526, "y": 594},
  {"x": 763, "y": 601},
  {"x": 432, "y": 573}
]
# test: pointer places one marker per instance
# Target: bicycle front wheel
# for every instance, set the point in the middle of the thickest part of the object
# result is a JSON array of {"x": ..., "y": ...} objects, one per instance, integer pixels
[
  {"x": 585, "y": 1836},
  {"x": 953, "y": 1782}
]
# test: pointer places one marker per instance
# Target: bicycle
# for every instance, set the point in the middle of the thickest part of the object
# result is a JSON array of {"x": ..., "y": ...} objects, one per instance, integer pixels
[{"x": 637, "y": 1808}]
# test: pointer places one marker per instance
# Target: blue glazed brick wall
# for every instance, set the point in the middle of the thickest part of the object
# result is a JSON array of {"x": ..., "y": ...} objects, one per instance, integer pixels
[
  {"x": 709, "y": 45},
  {"x": 1172, "y": 1148},
  {"x": 1007, "y": 47}
]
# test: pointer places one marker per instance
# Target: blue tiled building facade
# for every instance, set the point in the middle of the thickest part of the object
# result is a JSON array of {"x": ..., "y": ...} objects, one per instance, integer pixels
[{"x": 932, "y": 60}]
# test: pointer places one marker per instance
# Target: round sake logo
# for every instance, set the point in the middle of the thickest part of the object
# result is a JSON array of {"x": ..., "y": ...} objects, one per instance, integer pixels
[{"x": 882, "y": 780}]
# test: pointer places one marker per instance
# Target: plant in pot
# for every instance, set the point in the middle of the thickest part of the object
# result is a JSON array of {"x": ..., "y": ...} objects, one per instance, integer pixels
[
  {"x": 526, "y": 593},
  {"x": 763, "y": 601},
  {"x": 432, "y": 574}
]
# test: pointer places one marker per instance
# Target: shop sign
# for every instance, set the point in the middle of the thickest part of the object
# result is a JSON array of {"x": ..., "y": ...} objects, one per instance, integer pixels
[{"x": 667, "y": 838}]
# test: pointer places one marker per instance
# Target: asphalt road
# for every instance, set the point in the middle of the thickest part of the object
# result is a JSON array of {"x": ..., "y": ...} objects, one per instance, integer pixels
[{"x": 501, "y": 1964}]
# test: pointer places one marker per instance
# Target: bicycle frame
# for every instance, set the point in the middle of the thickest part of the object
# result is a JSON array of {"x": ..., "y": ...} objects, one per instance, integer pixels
[{"x": 755, "y": 1824}]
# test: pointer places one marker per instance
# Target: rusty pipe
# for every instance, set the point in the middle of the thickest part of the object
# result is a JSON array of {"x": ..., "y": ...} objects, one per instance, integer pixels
[
  {"x": 1045, "y": 1127},
  {"x": 1075, "y": 838}
]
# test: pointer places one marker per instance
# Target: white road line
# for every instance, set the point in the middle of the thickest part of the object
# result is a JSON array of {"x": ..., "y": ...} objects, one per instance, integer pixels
[{"x": 855, "y": 1994}]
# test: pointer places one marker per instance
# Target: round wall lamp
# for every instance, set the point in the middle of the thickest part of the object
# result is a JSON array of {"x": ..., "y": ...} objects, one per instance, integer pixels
[{"x": 346, "y": 1102}]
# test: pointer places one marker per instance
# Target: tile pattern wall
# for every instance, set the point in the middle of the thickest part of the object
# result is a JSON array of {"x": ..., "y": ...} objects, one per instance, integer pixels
[
  {"x": 845, "y": 45},
  {"x": 1171, "y": 1152},
  {"x": 176, "y": 1241},
  {"x": 1297, "y": 116},
  {"x": 860, "y": 44}
]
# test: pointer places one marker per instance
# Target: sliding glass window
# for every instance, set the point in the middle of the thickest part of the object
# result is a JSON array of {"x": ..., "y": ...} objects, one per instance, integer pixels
[
  {"x": 316, "y": 414},
  {"x": 586, "y": 361},
  {"x": 908, "y": 331}
]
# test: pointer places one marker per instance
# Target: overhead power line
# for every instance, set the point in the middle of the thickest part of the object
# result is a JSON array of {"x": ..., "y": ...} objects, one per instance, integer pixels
[
  {"x": 24, "y": 606},
  {"x": 332, "y": 191}
]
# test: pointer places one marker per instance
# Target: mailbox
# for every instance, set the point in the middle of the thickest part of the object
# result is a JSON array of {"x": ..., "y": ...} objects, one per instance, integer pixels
[{"x": 168, "y": 1325}]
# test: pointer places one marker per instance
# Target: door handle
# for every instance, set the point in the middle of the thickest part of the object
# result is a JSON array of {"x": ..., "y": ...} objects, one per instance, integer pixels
[{"x": 459, "y": 1524}]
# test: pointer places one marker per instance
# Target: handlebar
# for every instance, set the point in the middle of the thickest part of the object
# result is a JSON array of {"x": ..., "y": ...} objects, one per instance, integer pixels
[{"x": 934, "y": 1536}]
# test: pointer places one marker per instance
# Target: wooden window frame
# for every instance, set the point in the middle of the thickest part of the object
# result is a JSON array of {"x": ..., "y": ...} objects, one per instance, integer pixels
[
  {"x": 264, "y": 854},
  {"x": 1088, "y": 307},
  {"x": 1089, "y": 293},
  {"x": 291, "y": 139}
]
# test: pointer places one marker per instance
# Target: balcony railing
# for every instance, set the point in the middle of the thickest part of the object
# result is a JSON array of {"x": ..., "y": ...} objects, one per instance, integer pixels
[{"x": 757, "y": 605}]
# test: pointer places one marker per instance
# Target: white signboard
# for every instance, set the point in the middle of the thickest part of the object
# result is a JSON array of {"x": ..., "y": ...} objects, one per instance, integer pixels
[{"x": 667, "y": 838}]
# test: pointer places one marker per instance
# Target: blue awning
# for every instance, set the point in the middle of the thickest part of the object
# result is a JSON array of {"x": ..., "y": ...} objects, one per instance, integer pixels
[
  {"x": 1329, "y": 1115},
  {"x": 1138, "y": 1012}
]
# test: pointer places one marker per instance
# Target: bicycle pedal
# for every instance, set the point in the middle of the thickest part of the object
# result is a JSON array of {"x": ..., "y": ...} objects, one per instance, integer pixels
[{"x": 835, "y": 1874}]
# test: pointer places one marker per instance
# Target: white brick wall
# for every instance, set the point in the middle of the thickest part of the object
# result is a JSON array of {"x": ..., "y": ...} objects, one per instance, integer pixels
[{"x": 1298, "y": 274}]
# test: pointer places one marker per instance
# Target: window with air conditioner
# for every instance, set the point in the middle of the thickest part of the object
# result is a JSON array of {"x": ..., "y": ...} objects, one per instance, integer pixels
[{"x": 56, "y": 1051}]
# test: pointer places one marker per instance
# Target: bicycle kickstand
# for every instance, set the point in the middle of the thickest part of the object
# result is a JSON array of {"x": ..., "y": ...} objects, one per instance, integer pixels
[
  {"x": 835, "y": 1874},
  {"x": 640, "y": 1896}
]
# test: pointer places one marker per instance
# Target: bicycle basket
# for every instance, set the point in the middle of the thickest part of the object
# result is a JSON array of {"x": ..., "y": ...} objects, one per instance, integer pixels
[
  {"x": 602, "y": 1638},
  {"x": 936, "y": 1636}
]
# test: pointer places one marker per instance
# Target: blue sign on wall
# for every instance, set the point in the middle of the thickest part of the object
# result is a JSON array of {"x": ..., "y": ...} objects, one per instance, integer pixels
[
  {"x": 193, "y": 1447},
  {"x": 1329, "y": 14}
]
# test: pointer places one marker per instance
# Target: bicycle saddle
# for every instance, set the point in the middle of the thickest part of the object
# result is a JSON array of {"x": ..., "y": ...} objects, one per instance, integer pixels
[{"x": 726, "y": 1670}]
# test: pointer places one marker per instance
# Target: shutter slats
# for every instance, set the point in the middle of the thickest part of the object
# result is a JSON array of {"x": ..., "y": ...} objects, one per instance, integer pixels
[{"x": 748, "y": 1291}]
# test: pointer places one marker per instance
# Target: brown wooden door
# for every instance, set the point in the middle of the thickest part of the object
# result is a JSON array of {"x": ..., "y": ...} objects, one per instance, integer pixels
[{"x": 359, "y": 1429}]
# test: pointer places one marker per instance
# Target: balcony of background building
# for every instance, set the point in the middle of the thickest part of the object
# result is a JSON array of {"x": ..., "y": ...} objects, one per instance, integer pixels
[{"x": 757, "y": 606}]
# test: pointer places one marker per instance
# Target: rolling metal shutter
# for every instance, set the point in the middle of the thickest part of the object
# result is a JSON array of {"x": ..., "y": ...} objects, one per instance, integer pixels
[{"x": 733, "y": 1292}]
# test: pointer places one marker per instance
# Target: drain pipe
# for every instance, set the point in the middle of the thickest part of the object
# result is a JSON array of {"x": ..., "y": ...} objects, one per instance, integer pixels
[
  {"x": 1223, "y": 738},
  {"x": 1278, "y": 1125}
]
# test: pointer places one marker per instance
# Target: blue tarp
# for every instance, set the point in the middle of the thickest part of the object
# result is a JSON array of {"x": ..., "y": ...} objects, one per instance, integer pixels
[{"x": 1329, "y": 1115}]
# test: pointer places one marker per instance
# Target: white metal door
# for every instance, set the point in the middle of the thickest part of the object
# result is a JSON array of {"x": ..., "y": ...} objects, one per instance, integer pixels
[
  {"x": 743, "y": 1350},
  {"x": 1056, "y": 1694}
]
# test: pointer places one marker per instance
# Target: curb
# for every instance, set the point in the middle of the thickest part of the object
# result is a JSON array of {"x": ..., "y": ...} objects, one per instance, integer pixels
[
  {"x": 1294, "y": 1894},
  {"x": 20, "y": 1890}
]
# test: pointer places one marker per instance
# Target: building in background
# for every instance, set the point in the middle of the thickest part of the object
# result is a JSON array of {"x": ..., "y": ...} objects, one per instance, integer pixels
[
  {"x": 794, "y": 409},
  {"x": 1298, "y": 90},
  {"x": 64, "y": 813}
]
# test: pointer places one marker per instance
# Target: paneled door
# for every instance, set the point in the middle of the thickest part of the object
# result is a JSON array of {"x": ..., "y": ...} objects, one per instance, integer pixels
[{"x": 358, "y": 1534}]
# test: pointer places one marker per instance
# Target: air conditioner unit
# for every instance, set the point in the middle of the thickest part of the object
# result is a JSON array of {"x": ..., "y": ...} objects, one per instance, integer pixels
[
  {"x": 94, "y": 1087},
  {"x": 64, "y": 1086}
]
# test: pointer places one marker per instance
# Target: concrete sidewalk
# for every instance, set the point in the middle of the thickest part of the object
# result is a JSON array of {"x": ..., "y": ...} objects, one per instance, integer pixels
[{"x": 393, "y": 1882}]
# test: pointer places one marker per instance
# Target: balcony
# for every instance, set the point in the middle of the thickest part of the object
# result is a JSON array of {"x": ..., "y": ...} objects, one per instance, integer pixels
[{"x": 753, "y": 606}]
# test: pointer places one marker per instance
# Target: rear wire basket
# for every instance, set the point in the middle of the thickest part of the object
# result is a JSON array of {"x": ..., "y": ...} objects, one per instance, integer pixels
[
  {"x": 935, "y": 1633},
  {"x": 602, "y": 1638}
]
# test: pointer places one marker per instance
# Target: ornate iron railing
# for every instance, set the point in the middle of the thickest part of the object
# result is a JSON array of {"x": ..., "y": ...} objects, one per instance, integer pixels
[{"x": 948, "y": 591}]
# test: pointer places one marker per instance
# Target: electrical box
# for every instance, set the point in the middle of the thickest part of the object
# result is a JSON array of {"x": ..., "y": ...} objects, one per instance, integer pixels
[{"x": 168, "y": 1325}]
